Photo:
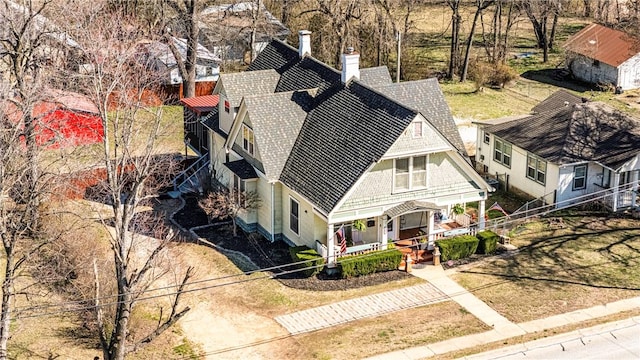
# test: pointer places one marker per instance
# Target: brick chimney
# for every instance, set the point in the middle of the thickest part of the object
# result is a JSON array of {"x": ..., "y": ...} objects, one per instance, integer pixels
[
  {"x": 350, "y": 65},
  {"x": 304, "y": 41}
]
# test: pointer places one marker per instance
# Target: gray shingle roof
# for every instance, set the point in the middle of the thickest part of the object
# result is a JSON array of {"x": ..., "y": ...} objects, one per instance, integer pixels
[
  {"x": 276, "y": 131},
  {"x": 557, "y": 100},
  {"x": 426, "y": 97},
  {"x": 581, "y": 132},
  {"x": 375, "y": 76},
  {"x": 349, "y": 129},
  {"x": 239, "y": 85}
]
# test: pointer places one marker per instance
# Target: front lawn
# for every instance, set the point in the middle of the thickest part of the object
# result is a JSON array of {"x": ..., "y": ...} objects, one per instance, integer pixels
[{"x": 593, "y": 260}]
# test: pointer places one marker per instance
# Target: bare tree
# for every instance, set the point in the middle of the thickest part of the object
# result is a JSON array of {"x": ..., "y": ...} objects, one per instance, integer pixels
[
  {"x": 454, "y": 53},
  {"x": 481, "y": 5},
  {"x": 22, "y": 183},
  {"x": 118, "y": 85},
  {"x": 228, "y": 204},
  {"x": 544, "y": 19},
  {"x": 339, "y": 15},
  {"x": 187, "y": 15}
]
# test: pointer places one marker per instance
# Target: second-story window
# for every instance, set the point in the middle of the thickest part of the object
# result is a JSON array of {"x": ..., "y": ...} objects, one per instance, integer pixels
[
  {"x": 247, "y": 139},
  {"x": 410, "y": 173}
]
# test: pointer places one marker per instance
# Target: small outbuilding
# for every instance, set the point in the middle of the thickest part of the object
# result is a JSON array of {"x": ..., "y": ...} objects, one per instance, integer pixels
[{"x": 601, "y": 55}]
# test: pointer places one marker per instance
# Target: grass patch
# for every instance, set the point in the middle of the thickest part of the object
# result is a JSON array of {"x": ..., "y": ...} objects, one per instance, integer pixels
[
  {"x": 585, "y": 264},
  {"x": 186, "y": 350},
  {"x": 400, "y": 330}
]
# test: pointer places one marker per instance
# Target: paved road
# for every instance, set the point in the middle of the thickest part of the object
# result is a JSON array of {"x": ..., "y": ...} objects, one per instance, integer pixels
[{"x": 619, "y": 340}]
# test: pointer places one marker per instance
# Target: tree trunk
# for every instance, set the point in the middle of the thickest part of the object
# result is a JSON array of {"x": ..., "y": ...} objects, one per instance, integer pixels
[
  {"x": 552, "y": 35},
  {"x": 455, "y": 38},
  {"x": 7, "y": 297},
  {"x": 189, "y": 84},
  {"x": 587, "y": 8},
  {"x": 465, "y": 64}
]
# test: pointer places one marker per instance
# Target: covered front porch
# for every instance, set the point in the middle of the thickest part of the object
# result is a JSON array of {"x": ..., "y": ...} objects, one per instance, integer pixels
[{"x": 413, "y": 227}]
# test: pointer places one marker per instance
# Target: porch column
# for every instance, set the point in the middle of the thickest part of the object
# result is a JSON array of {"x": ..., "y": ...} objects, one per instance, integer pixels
[
  {"x": 382, "y": 232},
  {"x": 430, "y": 243},
  {"x": 331, "y": 260},
  {"x": 616, "y": 188},
  {"x": 481, "y": 205},
  {"x": 634, "y": 188},
  {"x": 396, "y": 227}
]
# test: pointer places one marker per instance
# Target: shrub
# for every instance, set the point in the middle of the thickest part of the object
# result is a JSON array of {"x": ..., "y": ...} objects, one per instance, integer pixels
[
  {"x": 312, "y": 260},
  {"x": 457, "y": 247},
  {"x": 488, "y": 241},
  {"x": 370, "y": 263}
]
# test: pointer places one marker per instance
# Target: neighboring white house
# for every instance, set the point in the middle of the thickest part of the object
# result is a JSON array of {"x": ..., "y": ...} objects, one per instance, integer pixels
[
  {"x": 569, "y": 150},
  {"x": 207, "y": 67},
  {"x": 600, "y": 55},
  {"x": 227, "y": 29},
  {"x": 324, "y": 148}
]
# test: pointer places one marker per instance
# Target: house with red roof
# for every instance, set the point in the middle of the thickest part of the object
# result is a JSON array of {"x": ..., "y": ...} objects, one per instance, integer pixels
[
  {"x": 601, "y": 55},
  {"x": 63, "y": 119}
]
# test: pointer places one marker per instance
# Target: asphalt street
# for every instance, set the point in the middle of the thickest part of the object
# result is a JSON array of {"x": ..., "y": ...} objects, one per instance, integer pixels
[{"x": 619, "y": 340}]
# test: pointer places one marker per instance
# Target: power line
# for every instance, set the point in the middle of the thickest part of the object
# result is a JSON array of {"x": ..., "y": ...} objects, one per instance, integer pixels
[{"x": 87, "y": 307}]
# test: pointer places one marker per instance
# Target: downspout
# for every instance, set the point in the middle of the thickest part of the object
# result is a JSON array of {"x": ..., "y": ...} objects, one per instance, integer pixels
[{"x": 273, "y": 214}]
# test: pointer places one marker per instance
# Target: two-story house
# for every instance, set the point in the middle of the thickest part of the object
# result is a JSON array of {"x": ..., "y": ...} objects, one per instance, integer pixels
[{"x": 324, "y": 148}]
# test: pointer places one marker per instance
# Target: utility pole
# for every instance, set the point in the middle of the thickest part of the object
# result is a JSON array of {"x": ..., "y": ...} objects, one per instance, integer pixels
[{"x": 398, "y": 37}]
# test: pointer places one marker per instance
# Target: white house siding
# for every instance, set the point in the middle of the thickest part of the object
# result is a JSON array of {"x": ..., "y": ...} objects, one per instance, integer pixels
[
  {"x": 265, "y": 211},
  {"x": 446, "y": 184},
  {"x": 407, "y": 143},
  {"x": 249, "y": 216},
  {"x": 277, "y": 206},
  {"x": 629, "y": 73},
  {"x": 319, "y": 229},
  {"x": 565, "y": 183},
  {"x": 584, "y": 69},
  {"x": 306, "y": 219},
  {"x": 226, "y": 118},
  {"x": 518, "y": 171}
]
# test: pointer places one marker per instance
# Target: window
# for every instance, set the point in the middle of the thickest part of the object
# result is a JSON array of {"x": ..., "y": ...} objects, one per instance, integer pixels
[
  {"x": 402, "y": 174},
  {"x": 419, "y": 172},
  {"x": 247, "y": 139},
  {"x": 579, "y": 177},
  {"x": 239, "y": 187},
  {"x": 536, "y": 169},
  {"x": 417, "y": 129},
  {"x": 605, "y": 182},
  {"x": 227, "y": 106},
  {"x": 486, "y": 137},
  {"x": 294, "y": 220},
  {"x": 410, "y": 173},
  {"x": 502, "y": 152}
]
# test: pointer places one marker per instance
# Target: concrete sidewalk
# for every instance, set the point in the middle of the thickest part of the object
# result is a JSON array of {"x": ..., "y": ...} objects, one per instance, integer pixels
[{"x": 502, "y": 328}]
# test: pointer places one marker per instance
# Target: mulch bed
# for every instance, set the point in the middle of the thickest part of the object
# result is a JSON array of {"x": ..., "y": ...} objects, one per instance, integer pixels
[{"x": 265, "y": 254}]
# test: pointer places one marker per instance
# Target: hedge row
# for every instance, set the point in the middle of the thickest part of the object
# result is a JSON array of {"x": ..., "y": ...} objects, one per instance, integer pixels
[
  {"x": 370, "y": 263},
  {"x": 312, "y": 260},
  {"x": 457, "y": 247},
  {"x": 488, "y": 242}
]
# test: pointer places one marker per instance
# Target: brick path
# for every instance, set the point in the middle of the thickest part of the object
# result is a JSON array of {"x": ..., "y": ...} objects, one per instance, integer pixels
[{"x": 363, "y": 307}]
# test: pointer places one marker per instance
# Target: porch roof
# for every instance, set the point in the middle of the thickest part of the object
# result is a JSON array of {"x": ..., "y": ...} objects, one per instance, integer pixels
[
  {"x": 410, "y": 206},
  {"x": 242, "y": 168}
]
